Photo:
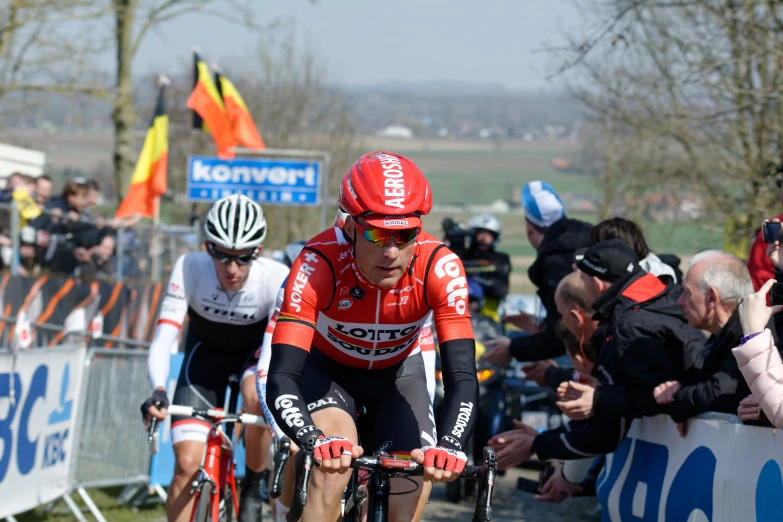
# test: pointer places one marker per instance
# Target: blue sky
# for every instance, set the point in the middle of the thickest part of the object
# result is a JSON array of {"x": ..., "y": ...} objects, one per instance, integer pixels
[{"x": 370, "y": 41}]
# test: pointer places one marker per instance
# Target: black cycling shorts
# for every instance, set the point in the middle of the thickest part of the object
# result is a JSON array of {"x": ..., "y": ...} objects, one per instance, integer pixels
[
  {"x": 203, "y": 380},
  {"x": 395, "y": 411}
]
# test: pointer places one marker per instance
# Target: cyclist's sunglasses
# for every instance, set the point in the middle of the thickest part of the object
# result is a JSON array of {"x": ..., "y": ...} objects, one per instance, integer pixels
[
  {"x": 383, "y": 236},
  {"x": 224, "y": 259}
]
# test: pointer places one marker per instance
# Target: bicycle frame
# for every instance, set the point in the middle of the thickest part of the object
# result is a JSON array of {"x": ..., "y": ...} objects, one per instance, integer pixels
[{"x": 217, "y": 467}]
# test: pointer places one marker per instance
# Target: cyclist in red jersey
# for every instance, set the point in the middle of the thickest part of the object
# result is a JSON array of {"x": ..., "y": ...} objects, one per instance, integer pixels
[{"x": 354, "y": 306}]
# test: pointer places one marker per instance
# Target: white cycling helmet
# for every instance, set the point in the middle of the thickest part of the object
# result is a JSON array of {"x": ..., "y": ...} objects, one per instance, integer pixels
[
  {"x": 485, "y": 221},
  {"x": 236, "y": 222}
]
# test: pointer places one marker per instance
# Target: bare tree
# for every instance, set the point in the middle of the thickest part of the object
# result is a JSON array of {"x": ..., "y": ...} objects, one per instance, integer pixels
[
  {"x": 42, "y": 50},
  {"x": 696, "y": 85}
]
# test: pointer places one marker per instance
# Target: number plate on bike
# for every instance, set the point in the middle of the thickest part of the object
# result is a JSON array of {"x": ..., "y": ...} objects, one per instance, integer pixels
[{"x": 391, "y": 462}]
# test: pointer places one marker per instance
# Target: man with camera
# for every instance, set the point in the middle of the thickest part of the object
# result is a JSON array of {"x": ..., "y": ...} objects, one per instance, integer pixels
[{"x": 483, "y": 264}]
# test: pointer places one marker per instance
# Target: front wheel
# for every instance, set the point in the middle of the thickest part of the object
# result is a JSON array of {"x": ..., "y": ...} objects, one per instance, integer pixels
[{"x": 204, "y": 503}]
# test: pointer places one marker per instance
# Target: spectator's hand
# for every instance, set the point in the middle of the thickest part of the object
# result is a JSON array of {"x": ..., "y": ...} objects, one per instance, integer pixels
[
  {"x": 56, "y": 214},
  {"x": 42, "y": 238},
  {"x": 753, "y": 311},
  {"x": 27, "y": 251},
  {"x": 100, "y": 222},
  {"x": 515, "y": 446},
  {"x": 579, "y": 408},
  {"x": 523, "y": 321},
  {"x": 82, "y": 254},
  {"x": 5, "y": 241},
  {"x": 557, "y": 488},
  {"x": 499, "y": 352},
  {"x": 535, "y": 371},
  {"x": 664, "y": 393},
  {"x": 73, "y": 216},
  {"x": 749, "y": 409}
]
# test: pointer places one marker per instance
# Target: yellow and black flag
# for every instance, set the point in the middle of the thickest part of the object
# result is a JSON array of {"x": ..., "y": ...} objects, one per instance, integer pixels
[
  {"x": 149, "y": 177},
  {"x": 206, "y": 102},
  {"x": 242, "y": 124}
]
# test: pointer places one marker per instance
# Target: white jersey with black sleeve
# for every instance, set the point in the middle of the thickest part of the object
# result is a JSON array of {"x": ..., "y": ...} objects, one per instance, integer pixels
[{"x": 229, "y": 320}]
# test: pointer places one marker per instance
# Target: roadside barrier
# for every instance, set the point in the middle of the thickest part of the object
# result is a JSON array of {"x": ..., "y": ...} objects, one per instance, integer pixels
[{"x": 721, "y": 471}]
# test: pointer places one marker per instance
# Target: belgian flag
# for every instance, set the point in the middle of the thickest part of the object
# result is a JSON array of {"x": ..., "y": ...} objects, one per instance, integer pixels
[
  {"x": 210, "y": 113},
  {"x": 149, "y": 177},
  {"x": 245, "y": 131}
]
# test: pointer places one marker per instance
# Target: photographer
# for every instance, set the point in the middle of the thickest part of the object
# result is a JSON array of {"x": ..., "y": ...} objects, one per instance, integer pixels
[
  {"x": 488, "y": 267},
  {"x": 757, "y": 356}
]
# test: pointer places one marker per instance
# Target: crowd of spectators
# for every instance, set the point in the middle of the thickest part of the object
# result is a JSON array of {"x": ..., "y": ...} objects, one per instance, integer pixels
[
  {"x": 61, "y": 233},
  {"x": 643, "y": 338}
]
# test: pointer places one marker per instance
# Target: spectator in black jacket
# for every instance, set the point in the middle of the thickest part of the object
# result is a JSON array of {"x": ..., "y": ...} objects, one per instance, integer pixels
[
  {"x": 640, "y": 344},
  {"x": 715, "y": 284},
  {"x": 555, "y": 238}
]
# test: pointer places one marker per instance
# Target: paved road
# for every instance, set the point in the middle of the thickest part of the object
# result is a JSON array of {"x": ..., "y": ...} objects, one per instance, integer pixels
[{"x": 508, "y": 505}]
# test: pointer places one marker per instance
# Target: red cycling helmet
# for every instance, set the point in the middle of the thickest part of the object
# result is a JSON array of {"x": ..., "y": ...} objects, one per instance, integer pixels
[{"x": 389, "y": 185}]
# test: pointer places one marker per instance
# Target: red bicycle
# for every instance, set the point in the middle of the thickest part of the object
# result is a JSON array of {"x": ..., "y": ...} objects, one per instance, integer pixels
[{"x": 215, "y": 486}]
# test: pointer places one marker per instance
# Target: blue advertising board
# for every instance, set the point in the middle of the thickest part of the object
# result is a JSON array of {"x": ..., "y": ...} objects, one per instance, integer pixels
[{"x": 280, "y": 181}]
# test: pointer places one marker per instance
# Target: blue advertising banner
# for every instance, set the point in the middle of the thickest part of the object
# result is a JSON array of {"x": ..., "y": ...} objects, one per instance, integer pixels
[{"x": 280, "y": 181}]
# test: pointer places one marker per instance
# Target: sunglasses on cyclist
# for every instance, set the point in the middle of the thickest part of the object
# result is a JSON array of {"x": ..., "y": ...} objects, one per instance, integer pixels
[
  {"x": 382, "y": 236},
  {"x": 224, "y": 259}
]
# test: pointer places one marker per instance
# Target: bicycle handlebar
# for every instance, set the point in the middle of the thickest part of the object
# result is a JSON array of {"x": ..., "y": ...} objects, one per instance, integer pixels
[
  {"x": 189, "y": 411},
  {"x": 398, "y": 467}
]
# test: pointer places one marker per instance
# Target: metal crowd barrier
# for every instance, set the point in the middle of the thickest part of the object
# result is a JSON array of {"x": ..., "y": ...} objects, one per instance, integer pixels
[{"x": 112, "y": 450}]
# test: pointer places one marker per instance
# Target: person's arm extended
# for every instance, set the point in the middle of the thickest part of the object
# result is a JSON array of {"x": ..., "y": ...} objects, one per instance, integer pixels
[
  {"x": 284, "y": 394},
  {"x": 172, "y": 314},
  {"x": 536, "y": 347},
  {"x": 460, "y": 393},
  {"x": 581, "y": 439},
  {"x": 722, "y": 392},
  {"x": 761, "y": 366}
]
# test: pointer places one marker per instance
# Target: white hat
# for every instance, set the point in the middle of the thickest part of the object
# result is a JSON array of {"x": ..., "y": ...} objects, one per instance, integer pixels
[{"x": 543, "y": 207}]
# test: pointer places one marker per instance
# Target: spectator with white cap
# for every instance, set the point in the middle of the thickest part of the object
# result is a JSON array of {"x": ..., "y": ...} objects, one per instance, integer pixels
[{"x": 555, "y": 238}]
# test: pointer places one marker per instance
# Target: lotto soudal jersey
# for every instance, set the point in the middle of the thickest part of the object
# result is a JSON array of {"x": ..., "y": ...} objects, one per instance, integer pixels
[
  {"x": 218, "y": 316},
  {"x": 328, "y": 304}
]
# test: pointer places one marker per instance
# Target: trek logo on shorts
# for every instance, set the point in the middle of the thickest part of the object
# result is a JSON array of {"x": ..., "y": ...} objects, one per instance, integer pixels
[
  {"x": 290, "y": 413},
  {"x": 462, "y": 419}
]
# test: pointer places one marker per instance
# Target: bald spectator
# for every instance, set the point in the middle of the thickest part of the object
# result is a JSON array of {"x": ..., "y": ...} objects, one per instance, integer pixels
[{"x": 714, "y": 286}]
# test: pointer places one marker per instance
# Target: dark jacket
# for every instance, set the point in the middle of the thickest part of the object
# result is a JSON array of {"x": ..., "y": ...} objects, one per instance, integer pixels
[
  {"x": 646, "y": 341},
  {"x": 643, "y": 340},
  {"x": 717, "y": 385},
  {"x": 553, "y": 262}
]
